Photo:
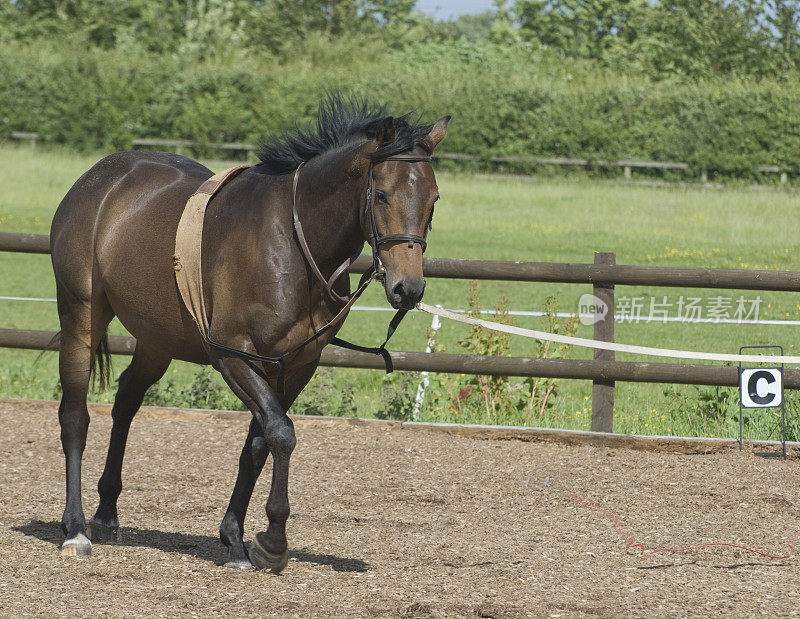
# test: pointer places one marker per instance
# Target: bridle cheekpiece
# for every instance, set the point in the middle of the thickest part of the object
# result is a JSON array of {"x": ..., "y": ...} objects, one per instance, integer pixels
[{"x": 375, "y": 239}]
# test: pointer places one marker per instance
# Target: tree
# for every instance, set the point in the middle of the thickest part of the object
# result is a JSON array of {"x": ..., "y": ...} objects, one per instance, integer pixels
[
  {"x": 698, "y": 37},
  {"x": 153, "y": 25},
  {"x": 473, "y": 28},
  {"x": 783, "y": 17},
  {"x": 582, "y": 28},
  {"x": 666, "y": 37}
]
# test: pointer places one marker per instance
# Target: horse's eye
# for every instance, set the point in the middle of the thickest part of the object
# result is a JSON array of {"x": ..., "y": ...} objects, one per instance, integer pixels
[{"x": 381, "y": 195}]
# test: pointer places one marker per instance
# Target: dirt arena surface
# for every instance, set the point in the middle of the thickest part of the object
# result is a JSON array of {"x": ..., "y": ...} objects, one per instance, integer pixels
[{"x": 397, "y": 523}]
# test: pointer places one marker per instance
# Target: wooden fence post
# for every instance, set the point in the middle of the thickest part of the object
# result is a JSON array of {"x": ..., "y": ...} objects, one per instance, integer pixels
[{"x": 603, "y": 391}]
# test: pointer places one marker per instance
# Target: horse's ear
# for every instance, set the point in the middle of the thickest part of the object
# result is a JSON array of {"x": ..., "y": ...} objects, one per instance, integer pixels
[
  {"x": 382, "y": 131},
  {"x": 438, "y": 132}
]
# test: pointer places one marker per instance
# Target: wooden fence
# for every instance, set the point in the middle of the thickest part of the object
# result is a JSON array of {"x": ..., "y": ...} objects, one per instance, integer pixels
[
  {"x": 627, "y": 166},
  {"x": 603, "y": 370}
]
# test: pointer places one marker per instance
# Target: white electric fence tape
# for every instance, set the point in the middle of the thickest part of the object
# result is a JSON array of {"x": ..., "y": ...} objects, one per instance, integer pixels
[{"x": 586, "y": 343}]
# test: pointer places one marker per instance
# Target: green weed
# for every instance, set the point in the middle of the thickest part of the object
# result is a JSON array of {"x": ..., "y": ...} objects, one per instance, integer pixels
[
  {"x": 497, "y": 398},
  {"x": 397, "y": 401},
  {"x": 206, "y": 390}
]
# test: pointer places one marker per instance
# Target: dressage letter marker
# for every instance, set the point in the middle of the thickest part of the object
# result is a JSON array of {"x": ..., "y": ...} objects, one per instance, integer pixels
[{"x": 761, "y": 387}]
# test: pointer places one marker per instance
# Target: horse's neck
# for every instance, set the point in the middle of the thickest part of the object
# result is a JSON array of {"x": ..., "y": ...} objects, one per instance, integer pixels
[{"x": 329, "y": 200}]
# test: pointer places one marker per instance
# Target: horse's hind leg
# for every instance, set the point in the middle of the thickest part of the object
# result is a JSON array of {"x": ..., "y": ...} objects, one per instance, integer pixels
[
  {"x": 145, "y": 369},
  {"x": 83, "y": 324}
]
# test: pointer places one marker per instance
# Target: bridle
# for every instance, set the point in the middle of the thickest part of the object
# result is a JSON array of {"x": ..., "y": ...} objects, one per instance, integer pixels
[{"x": 374, "y": 238}]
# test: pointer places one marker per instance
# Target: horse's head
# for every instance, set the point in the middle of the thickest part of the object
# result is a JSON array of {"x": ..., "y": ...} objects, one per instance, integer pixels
[{"x": 403, "y": 193}]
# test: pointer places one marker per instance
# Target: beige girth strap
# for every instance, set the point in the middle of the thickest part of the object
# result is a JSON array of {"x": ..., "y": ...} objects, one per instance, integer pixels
[{"x": 188, "y": 247}]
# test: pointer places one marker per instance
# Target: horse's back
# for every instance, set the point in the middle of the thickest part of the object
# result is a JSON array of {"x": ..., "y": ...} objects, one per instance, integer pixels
[
  {"x": 114, "y": 234},
  {"x": 113, "y": 184}
]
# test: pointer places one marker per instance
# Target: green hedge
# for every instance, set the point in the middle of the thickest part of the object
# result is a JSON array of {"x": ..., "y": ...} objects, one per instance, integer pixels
[{"x": 504, "y": 101}]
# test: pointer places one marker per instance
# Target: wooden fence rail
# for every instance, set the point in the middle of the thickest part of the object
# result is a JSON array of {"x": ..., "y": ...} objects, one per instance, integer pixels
[
  {"x": 625, "y": 164},
  {"x": 549, "y": 272},
  {"x": 25, "y": 243},
  {"x": 604, "y": 274},
  {"x": 448, "y": 363}
]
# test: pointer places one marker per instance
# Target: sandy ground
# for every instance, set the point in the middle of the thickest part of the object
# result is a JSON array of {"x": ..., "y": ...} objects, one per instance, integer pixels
[{"x": 391, "y": 522}]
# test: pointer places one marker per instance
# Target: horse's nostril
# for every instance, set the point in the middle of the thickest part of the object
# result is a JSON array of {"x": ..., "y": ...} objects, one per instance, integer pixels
[{"x": 399, "y": 290}]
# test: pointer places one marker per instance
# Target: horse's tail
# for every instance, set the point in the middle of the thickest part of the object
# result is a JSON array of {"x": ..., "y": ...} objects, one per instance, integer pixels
[
  {"x": 51, "y": 346},
  {"x": 101, "y": 365},
  {"x": 101, "y": 360}
]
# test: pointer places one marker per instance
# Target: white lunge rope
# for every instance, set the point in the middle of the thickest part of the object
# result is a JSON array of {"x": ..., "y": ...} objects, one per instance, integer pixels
[{"x": 586, "y": 343}]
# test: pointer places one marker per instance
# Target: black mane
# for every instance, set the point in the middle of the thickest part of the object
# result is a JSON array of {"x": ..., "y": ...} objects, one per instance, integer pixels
[{"x": 340, "y": 120}]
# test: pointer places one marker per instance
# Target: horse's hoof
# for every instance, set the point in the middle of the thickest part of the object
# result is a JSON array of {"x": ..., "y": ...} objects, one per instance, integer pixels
[
  {"x": 263, "y": 559},
  {"x": 101, "y": 533},
  {"x": 242, "y": 564},
  {"x": 78, "y": 546}
]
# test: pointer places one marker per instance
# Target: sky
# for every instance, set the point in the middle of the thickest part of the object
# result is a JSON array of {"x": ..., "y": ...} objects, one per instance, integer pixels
[{"x": 449, "y": 9}]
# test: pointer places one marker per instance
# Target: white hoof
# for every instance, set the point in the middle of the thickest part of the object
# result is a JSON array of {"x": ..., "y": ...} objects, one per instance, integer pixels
[
  {"x": 78, "y": 546},
  {"x": 239, "y": 565}
]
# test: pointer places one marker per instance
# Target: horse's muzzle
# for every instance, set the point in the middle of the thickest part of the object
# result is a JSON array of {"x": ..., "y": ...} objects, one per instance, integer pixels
[{"x": 406, "y": 293}]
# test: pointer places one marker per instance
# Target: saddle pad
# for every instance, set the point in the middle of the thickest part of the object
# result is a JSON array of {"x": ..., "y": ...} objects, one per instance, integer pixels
[{"x": 187, "y": 260}]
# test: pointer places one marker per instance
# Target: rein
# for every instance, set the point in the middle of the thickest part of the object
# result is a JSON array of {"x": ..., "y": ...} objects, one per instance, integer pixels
[
  {"x": 375, "y": 240},
  {"x": 279, "y": 361},
  {"x": 377, "y": 272}
]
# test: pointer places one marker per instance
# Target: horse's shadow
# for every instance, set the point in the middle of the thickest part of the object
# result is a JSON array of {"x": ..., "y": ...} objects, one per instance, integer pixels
[{"x": 203, "y": 547}]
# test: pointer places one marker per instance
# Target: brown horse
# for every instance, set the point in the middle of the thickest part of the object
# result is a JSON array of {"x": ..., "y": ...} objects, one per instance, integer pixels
[{"x": 365, "y": 177}]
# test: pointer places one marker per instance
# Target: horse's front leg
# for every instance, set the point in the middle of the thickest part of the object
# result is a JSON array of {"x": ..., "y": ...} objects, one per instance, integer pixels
[
  {"x": 269, "y": 549},
  {"x": 251, "y": 461}
]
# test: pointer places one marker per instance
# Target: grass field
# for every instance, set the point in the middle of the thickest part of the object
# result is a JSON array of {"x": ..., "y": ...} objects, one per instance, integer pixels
[{"x": 485, "y": 218}]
